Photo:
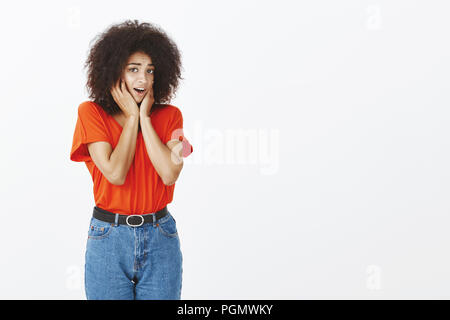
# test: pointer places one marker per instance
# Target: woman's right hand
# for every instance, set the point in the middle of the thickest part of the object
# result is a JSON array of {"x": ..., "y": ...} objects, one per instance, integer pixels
[{"x": 124, "y": 99}]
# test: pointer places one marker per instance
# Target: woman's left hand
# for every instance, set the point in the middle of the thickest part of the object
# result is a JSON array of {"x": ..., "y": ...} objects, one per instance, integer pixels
[{"x": 147, "y": 104}]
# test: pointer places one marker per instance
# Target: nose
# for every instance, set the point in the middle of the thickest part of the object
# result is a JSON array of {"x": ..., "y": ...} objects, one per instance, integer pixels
[{"x": 141, "y": 79}]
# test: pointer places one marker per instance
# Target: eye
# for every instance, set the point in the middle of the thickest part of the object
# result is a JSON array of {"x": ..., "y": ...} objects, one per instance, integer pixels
[
  {"x": 132, "y": 69},
  {"x": 152, "y": 71}
]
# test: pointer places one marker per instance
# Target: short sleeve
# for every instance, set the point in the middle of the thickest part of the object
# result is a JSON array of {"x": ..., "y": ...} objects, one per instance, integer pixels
[
  {"x": 175, "y": 132},
  {"x": 90, "y": 127}
]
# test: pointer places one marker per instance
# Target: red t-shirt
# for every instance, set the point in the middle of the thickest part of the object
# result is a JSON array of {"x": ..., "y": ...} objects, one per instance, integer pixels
[{"x": 143, "y": 190}]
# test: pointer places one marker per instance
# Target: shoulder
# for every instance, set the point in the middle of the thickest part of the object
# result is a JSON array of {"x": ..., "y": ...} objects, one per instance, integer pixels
[
  {"x": 88, "y": 106},
  {"x": 167, "y": 111},
  {"x": 90, "y": 109}
]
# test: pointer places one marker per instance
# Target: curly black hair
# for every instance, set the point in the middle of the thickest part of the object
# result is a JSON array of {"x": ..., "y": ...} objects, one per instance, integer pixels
[{"x": 113, "y": 47}]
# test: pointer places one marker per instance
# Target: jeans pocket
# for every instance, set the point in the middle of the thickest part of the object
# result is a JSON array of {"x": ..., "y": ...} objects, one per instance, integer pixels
[
  {"x": 99, "y": 229},
  {"x": 168, "y": 228}
]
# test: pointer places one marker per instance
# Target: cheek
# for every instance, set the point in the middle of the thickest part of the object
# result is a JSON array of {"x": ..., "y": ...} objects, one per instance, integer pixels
[
  {"x": 127, "y": 78},
  {"x": 129, "y": 84}
]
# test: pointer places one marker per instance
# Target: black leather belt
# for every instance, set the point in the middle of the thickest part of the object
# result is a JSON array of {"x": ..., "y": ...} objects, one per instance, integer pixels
[{"x": 133, "y": 220}]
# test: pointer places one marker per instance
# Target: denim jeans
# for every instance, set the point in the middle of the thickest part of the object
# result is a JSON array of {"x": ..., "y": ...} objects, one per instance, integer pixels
[{"x": 126, "y": 263}]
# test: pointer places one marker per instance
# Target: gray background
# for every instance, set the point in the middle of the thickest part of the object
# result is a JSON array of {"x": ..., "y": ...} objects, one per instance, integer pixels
[{"x": 321, "y": 151}]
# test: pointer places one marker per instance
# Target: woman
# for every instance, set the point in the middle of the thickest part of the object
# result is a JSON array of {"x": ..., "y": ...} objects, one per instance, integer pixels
[{"x": 133, "y": 145}]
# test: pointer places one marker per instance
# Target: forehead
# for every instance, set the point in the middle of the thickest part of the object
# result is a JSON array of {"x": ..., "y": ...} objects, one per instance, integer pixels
[{"x": 140, "y": 57}]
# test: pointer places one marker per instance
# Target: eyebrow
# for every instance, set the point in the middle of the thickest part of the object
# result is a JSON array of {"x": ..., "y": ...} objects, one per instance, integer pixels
[{"x": 138, "y": 64}]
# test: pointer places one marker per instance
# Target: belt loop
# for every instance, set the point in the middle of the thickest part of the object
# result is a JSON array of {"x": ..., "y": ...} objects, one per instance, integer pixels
[
  {"x": 116, "y": 221},
  {"x": 154, "y": 219}
]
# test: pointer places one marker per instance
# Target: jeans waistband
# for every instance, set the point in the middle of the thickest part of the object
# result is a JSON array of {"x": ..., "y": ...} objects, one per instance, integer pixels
[{"x": 133, "y": 220}]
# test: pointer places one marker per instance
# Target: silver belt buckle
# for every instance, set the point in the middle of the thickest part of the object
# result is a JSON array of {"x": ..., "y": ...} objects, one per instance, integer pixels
[{"x": 135, "y": 225}]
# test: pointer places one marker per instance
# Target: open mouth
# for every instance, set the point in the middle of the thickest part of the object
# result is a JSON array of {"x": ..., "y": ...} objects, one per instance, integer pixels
[{"x": 139, "y": 91}]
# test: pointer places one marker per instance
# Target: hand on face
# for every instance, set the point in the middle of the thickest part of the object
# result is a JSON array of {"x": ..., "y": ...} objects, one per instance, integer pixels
[
  {"x": 124, "y": 99},
  {"x": 147, "y": 103}
]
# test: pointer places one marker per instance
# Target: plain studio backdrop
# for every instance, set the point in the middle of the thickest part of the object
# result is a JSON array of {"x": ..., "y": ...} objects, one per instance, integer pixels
[{"x": 321, "y": 146}]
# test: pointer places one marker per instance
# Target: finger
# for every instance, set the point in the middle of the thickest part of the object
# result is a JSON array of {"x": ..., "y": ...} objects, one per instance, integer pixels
[
  {"x": 115, "y": 87},
  {"x": 113, "y": 91},
  {"x": 125, "y": 88},
  {"x": 121, "y": 86}
]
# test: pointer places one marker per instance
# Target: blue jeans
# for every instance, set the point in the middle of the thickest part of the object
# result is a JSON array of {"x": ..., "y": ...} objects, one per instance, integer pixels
[{"x": 126, "y": 263}]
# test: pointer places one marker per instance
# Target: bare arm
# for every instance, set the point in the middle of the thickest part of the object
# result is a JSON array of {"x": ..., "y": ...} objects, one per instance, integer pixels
[
  {"x": 166, "y": 158},
  {"x": 114, "y": 164},
  {"x": 167, "y": 162}
]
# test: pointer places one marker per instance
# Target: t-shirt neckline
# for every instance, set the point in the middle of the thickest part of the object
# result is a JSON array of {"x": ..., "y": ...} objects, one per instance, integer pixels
[{"x": 121, "y": 128}]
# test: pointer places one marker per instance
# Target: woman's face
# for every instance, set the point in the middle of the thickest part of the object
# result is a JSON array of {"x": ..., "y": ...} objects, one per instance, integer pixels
[{"x": 138, "y": 74}]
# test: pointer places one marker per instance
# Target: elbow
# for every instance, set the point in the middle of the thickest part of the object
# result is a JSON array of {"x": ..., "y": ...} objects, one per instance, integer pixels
[
  {"x": 170, "y": 179},
  {"x": 117, "y": 182},
  {"x": 174, "y": 174},
  {"x": 169, "y": 182},
  {"x": 117, "y": 179}
]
